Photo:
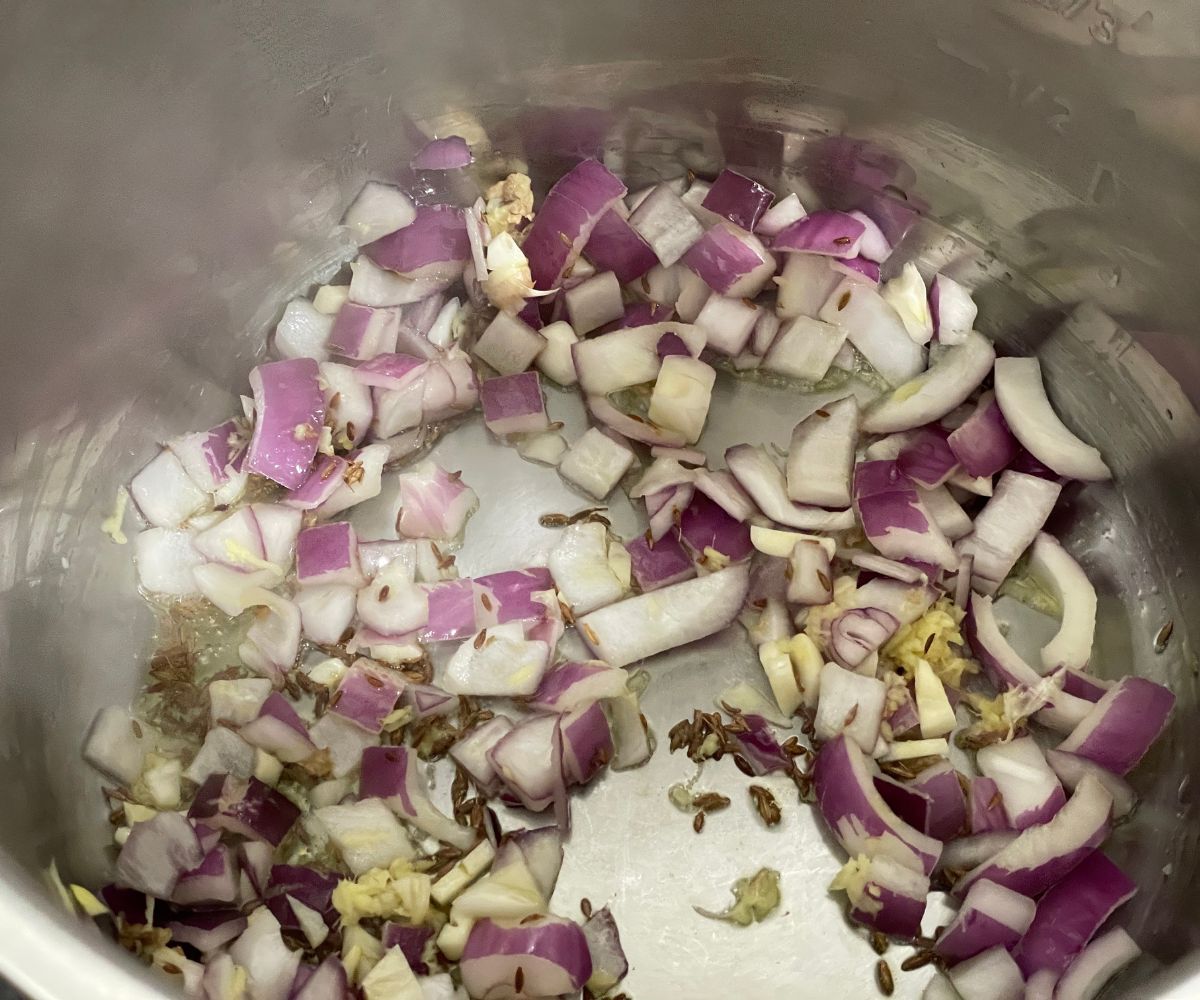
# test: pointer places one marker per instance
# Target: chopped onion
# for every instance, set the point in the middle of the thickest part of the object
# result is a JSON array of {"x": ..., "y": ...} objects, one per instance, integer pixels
[
  {"x": 739, "y": 199},
  {"x": 638, "y": 627},
  {"x": 877, "y": 333},
  {"x": 659, "y": 563},
  {"x": 780, "y": 215},
  {"x": 1071, "y": 770},
  {"x": 390, "y": 773},
  {"x": 704, "y": 525},
  {"x": 377, "y": 210},
  {"x": 1053, "y": 566},
  {"x": 952, "y": 310},
  {"x": 805, "y": 348},
  {"x": 1030, "y": 790},
  {"x": 615, "y": 245},
  {"x": 1122, "y": 725},
  {"x": 666, "y": 223},
  {"x": 821, "y": 455},
  {"x": 509, "y": 345},
  {"x": 983, "y": 443},
  {"x": 906, "y": 294},
  {"x": 595, "y": 463},
  {"x": 498, "y": 661},
  {"x": 547, "y": 955},
  {"x": 629, "y": 357},
  {"x": 730, "y": 261},
  {"x": 850, "y": 705},
  {"x": 990, "y": 975},
  {"x": 471, "y": 752},
  {"x": 434, "y": 246},
  {"x": 953, "y": 376},
  {"x": 165, "y": 493},
  {"x": 727, "y": 323},
  {"x": 1006, "y": 526},
  {"x": 302, "y": 332},
  {"x": 895, "y": 520},
  {"x": 581, "y": 569},
  {"x": 884, "y": 895},
  {"x": 762, "y": 479},
  {"x": 1096, "y": 965},
  {"x": 1041, "y": 855},
  {"x": 450, "y": 153},
  {"x": 681, "y": 396},
  {"x": 158, "y": 852},
  {"x": 831, "y": 234},
  {"x": 434, "y": 503},
  {"x": 1028, "y": 413}
]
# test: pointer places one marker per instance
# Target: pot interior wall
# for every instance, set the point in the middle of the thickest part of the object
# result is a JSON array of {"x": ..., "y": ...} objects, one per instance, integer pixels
[{"x": 176, "y": 179}]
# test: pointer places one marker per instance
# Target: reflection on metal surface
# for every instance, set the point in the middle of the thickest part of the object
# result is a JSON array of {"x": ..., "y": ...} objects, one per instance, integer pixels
[{"x": 173, "y": 181}]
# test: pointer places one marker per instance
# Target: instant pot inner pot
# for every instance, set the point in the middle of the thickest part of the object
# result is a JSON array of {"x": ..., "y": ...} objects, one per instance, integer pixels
[{"x": 180, "y": 181}]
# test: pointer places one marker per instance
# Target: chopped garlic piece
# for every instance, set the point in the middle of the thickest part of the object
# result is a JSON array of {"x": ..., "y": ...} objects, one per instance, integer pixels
[{"x": 111, "y": 525}]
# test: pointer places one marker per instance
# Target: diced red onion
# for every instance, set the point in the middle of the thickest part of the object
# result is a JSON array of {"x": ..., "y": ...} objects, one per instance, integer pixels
[
  {"x": 659, "y": 564},
  {"x": 681, "y": 397},
  {"x": 873, "y": 245},
  {"x": 831, "y": 234},
  {"x": 279, "y": 731},
  {"x": 614, "y": 245},
  {"x": 529, "y": 762},
  {"x": 953, "y": 376},
  {"x": 513, "y": 404},
  {"x": 727, "y": 323},
  {"x": 1006, "y": 526},
  {"x": 857, "y": 815},
  {"x": 165, "y": 560},
  {"x": 723, "y": 489},
  {"x": 990, "y": 975},
  {"x": 705, "y": 525},
  {"x": 1096, "y": 965},
  {"x": 911, "y": 804},
  {"x": 1120, "y": 729},
  {"x": 645, "y": 314},
  {"x": 927, "y": 459},
  {"x": 207, "y": 456},
  {"x": 249, "y": 808},
  {"x": 762, "y": 479},
  {"x": 471, "y": 752},
  {"x": 366, "y": 695},
  {"x": 273, "y": 639},
  {"x": 356, "y": 489},
  {"x": 968, "y": 851},
  {"x": 638, "y": 627},
  {"x": 327, "y": 982},
  {"x": 1071, "y": 912},
  {"x": 1030, "y": 791},
  {"x": 213, "y": 881},
  {"x": 1042, "y": 855},
  {"x": 821, "y": 455},
  {"x": 983, "y": 443},
  {"x": 855, "y": 634},
  {"x": 581, "y": 569},
  {"x": 328, "y": 553},
  {"x": 450, "y": 153},
  {"x": 208, "y": 930},
  {"x": 364, "y": 332},
  {"x": 411, "y": 941},
  {"x": 574, "y": 684},
  {"x": 548, "y": 955},
  {"x": 856, "y": 268},
  {"x": 805, "y": 284},
  {"x": 269, "y": 964},
  {"x": 1032, "y": 420},
  {"x": 739, "y": 199},
  {"x": 895, "y": 520},
  {"x": 609, "y": 964},
  {"x": 985, "y": 807},
  {"x": 326, "y": 612},
  {"x": 888, "y": 897},
  {"x": 434, "y": 246},
  {"x": 434, "y": 503},
  {"x": 666, "y": 223},
  {"x": 587, "y": 744},
  {"x": 113, "y": 747},
  {"x": 731, "y": 261},
  {"x": 509, "y": 345},
  {"x": 157, "y": 853},
  {"x": 290, "y": 411},
  {"x": 390, "y": 773}
]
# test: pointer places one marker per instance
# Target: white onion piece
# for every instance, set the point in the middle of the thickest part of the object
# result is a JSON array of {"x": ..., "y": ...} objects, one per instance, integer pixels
[
  {"x": 850, "y": 704},
  {"x": 1057, "y": 570},
  {"x": 594, "y": 302},
  {"x": 498, "y": 661},
  {"x": 1029, "y": 415},
  {"x": 778, "y": 543},
  {"x": 113, "y": 747},
  {"x": 595, "y": 463},
  {"x": 664, "y": 472},
  {"x": 952, "y": 309},
  {"x": 821, "y": 455},
  {"x": 990, "y": 975},
  {"x": 1071, "y": 770},
  {"x": 934, "y": 711},
  {"x": 763, "y": 480},
  {"x": 639, "y": 627},
  {"x": 377, "y": 210},
  {"x": 727, "y": 323},
  {"x": 392, "y": 604},
  {"x": 681, "y": 396},
  {"x": 1006, "y": 527},
  {"x": 165, "y": 560},
  {"x": 781, "y": 215},
  {"x": 1030, "y": 791},
  {"x": 955, "y": 374},
  {"x": 581, "y": 569},
  {"x": 628, "y": 357},
  {"x": 273, "y": 640},
  {"x": 556, "y": 360},
  {"x": 165, "y": 493},
  {"x": 1096, "y": 965},
  {"x": 906, "y": 294},
  {"x": 877, "y": 333},
  {"x": 723, "y": 489},
  {"x": 666, "y": 223},
  {"x": 326, "y": 612},
  {"x": 303, "y": 332},
  {"x": 805, "y": 284},
  {"x": 509, "y": 345},
  {"x": 270, "y": 965},
  {"x": 811, "y": 576},
  {"x": 947, "y": 513}
]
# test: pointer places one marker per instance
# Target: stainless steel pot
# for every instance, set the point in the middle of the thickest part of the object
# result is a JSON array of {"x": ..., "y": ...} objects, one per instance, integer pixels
[{"x": 171, "y": 173}]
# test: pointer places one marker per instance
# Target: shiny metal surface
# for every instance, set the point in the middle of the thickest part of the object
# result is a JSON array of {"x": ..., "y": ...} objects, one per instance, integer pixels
[{"x": 171, "y": 173}]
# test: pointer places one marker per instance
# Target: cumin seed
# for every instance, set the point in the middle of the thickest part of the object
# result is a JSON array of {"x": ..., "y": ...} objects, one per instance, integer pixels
[
  {"x": 384, "y": 593},
  {"x": 918, "y": 961},
  {"x": 765, "y": 803},
  {"x": 823, "y": 414},
  {"x": 519, "y": 978},
  {"x": 136, "y": 727},
  {"x": 698, "y": 822},
  {"x": 850, "y": 716},
  {"x": 883, "y": 976},
  {"x": 711, "y": 801},
  {"x": 1163, "y": 637},
  {"x": 486, "y": 602},
  {"x": 590, "y": 633},
  {"x": 879, "y": 942},
  {"x": 743, "y": 765},
  {"x": 843, "y": 301},
  {"x": 480, "y": 639}
]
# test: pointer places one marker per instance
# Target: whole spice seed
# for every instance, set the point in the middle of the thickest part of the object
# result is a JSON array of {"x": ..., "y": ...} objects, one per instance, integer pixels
[
  {"x": 710, "y": 801},
  {"x": 883, "y": 975},
  {"x": 486, "y": 602},
  {"x": 480, "y": 639},
  {"x": 585, "y": 907},
  {"x": 917, "y": 961},
  {"x": 136, "y": 727},
  {"x": 698, "y": 822},
  {"x": 519, "y": 978},
  {"x": 1163, "y": 637},
  {"x": 590, "y": 633},
  {"x": 384, "y": 592},
  {"x": 879, "y": 942},
  {"x": 765, "y": 803},
  {"x": 743, "y": 765}
]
